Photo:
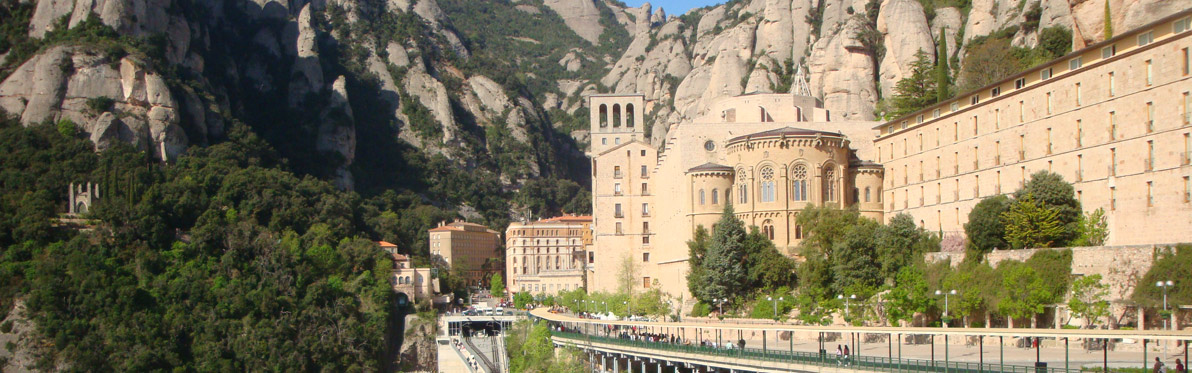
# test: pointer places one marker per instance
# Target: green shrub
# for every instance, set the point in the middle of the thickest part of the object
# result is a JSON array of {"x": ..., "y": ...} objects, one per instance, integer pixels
[
  {"x": 701, "y": 309},
  {"x": 100, "y": 105}
]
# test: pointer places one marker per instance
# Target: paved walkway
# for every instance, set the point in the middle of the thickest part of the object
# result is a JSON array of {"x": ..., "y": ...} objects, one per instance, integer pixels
[
  {"x": 1052, "y": 352},
  {"x": 449, "y": 360}
]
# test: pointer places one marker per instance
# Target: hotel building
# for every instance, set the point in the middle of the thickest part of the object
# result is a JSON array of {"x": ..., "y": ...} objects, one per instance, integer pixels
[{"x": 548, "y": 256}]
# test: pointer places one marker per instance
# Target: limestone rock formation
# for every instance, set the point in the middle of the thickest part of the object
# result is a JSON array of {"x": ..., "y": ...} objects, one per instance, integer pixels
[
  {"x": 308, "y": 71},
  {"x": 69, "y": 83},
  {"x": 906, "y": 33},
  {"x": 337, "y": 132},
  {"x": 948, "y": 23},
  {"x": 581, "y": 16},
  {"x": 433, "y": 94},
  {"x": 842, "y": 74}
]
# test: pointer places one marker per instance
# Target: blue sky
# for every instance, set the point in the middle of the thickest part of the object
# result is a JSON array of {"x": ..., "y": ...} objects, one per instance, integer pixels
[{"x": 674, "y": 7}]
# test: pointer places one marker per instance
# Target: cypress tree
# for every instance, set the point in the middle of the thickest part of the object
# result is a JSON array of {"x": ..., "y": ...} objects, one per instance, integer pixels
[
  {"x": 1108, "y": 22},
  {"x": 943, "y": 81}
]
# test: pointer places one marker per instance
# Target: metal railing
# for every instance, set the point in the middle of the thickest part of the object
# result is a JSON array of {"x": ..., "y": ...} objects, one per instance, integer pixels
[{"x": 874, "y": 363}]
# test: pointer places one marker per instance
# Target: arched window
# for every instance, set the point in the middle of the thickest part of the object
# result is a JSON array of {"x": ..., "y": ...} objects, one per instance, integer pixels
[
  {"x": 742, "y": 187},
  {"x": 799, "y": 183},
  {"x": 856, "y": 195},
  {"x": 701, "y": 196},
  {"x": 866, "y": 194},
  {"x": 829, "y": 183},
  {"x": 798, "y": 232},
  {"x": 768, "y": 229},
  {"x": 629, "y": 115},
  {"x": 616, "y": 115},
  {"x": 715, "y": 196},
  {"x": 603, "y": 115},
  {"x": 767, "y": 184}
]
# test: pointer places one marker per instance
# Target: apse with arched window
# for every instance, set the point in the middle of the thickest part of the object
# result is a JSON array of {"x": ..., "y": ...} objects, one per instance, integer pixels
[{"x": 768, "y": 228}]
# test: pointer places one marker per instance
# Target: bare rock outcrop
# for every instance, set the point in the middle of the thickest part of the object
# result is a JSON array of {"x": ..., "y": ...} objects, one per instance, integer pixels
[
  {"x": 80, "y": 85},
  {"x": 307, "y": 76},
  {"x": 337, "y": 132},
  {"x": 906, "y": 33},
  {"x": 433, "y": 95},
  {"x": 842, "y": 74},
  {"x": 582, "y": 16},
  {"x": 947, "y": 22}
]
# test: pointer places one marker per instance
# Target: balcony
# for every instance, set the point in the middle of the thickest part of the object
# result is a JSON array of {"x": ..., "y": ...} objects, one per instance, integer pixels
[
  {"x": 617, "y": 175},
  {"x": 618, "y": 193},
  {"x": 618, "y": 215},
  {"x": 645, "y": 214}
]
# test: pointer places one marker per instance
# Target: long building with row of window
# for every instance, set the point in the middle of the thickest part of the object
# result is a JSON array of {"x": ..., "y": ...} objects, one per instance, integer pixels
[{"x": 1112, "y": 118}]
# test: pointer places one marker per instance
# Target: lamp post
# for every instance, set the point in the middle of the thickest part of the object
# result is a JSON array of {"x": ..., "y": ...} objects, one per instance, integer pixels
[
  {"x": 945, "y": 294},
  {"x": 605, "y": 307},
  {"x": 775, "y": 306},
  {"x": 720, "y": 303},
  {"x": 628, "y": 308},
  {"x": 841, "y": 296},
  {"x": 1164, "y": 285}
]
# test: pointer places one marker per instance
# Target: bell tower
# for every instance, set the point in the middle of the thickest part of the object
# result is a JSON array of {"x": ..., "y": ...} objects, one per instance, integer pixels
[{"x": 615, "y": 120}]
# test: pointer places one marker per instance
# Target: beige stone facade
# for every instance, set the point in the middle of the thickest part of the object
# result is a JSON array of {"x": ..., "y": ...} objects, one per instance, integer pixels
[
  {"x": 767, "y": 154},
  {"x": 466, "y": 244},
  {"x": 415, "y": 283},
  {"x": 548, "y": 256},
  {"x": 1113, "y": 119}
]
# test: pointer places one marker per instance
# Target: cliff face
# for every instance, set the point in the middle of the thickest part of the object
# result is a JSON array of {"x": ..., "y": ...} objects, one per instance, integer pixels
[{"x": 318, "y": 78}]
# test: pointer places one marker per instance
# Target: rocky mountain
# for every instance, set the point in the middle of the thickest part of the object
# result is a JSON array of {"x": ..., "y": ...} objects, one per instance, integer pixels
[{"x": 347, "y": 88}]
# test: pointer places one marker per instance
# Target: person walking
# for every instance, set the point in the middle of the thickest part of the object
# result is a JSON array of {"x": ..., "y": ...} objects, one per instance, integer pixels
[
  {"x": 1158, "y": 366},
  {"x": 839, "y": 356},
  {"x": 1179, "y": 366},
  {"x": 847, "y": 361}
]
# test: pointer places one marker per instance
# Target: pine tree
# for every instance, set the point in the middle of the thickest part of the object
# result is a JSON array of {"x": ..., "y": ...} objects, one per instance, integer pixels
[
  {"x": 915, "y": 91},
  {"x": 724, "y": 264},
  {"x": 1031, "y": 225},
  {"x": 943, "y": 81}
]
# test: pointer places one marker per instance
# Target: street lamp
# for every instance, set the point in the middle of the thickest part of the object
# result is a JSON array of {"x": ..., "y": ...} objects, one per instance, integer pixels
[
  {"x": 945, "y": 294},
  {"x": 605, "y": 307},
  {"x": 720, "y": 303},
  {"x": 775, "y": 306},
  {"x": 1164, "y": 285},
  {"x": 841, "y": 296},
  {"x": 628, "y": 308}
]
